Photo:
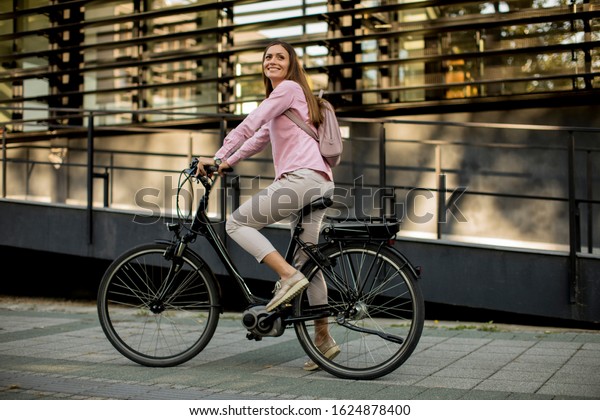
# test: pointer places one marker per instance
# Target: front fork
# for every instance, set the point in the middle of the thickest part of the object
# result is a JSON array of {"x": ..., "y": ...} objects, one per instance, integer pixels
[{"x": 174, "y": 254}]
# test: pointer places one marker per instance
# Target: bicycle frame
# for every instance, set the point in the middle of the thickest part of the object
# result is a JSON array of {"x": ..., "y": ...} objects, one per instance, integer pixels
[{"x": 202, "y": 225}]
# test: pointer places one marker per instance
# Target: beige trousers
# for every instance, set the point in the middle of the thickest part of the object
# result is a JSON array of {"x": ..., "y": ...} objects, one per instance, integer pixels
[{"x": 282, "y": 200}]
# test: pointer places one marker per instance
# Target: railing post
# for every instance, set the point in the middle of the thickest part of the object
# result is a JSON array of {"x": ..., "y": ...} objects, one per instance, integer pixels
[
  {"x": 382, "y": 164},
  {"x": 4, "y": 170},
  {"x": 590, "y": 206},
  {"x": 90, "y": 178},
  {"x": 104, "y": 177},
  {"x": 441, "y": 204},
  {"x": 235, "y": 193},
  {"x": 441, "y": 187},
  {"x": 573, "y": 216}
]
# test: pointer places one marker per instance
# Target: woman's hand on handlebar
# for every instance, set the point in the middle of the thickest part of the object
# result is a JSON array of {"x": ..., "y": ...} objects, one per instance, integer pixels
[{"x": 204, "y": 162}]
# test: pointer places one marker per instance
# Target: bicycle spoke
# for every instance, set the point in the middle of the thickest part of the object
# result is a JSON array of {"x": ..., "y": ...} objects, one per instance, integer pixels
[{"x": 130, "y": 283}]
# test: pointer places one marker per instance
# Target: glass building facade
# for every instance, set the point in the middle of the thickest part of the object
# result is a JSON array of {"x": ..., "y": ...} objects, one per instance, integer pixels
[{"x": 186, "y": 58}]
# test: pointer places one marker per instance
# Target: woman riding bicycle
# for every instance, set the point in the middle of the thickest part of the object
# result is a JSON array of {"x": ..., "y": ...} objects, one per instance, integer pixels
[{"x": 301, "y": 176}]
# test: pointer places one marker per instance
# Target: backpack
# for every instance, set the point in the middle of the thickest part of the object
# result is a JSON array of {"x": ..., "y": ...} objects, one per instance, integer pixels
[{"x": 328, "y": 135}]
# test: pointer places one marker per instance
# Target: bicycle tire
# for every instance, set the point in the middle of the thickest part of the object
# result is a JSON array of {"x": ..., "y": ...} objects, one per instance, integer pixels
[
  {"x": 151, "y": 331},
  {"x": 376, "y": 310}
]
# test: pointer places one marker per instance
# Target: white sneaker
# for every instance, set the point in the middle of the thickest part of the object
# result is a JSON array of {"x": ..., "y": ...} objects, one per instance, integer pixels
[{"x": 286, "y": 290}]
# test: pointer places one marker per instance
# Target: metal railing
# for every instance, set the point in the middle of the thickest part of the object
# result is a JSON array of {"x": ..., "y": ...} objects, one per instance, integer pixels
[{"x": 387, "y": 193}]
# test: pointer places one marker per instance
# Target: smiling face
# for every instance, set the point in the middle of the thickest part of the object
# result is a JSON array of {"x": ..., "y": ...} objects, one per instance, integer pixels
[{"x": 276, "y": 64}]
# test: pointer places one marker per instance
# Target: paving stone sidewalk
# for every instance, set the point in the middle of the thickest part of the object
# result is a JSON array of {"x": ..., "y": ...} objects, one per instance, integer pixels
[{"x": 57, "y": 350}]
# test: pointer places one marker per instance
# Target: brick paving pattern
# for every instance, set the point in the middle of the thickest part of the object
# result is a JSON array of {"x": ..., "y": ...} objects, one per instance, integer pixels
[{"x": 54, "y": 350}]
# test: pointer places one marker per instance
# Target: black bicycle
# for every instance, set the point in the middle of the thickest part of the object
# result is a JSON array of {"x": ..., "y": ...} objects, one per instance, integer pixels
[{"x": 159, "y": 303}]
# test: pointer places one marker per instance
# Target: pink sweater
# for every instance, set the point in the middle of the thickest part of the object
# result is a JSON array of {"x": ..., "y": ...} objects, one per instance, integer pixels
[{"x": 292, "y": 148}]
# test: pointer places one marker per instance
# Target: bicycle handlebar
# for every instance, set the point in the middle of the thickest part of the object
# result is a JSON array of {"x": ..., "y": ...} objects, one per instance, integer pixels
[{"x": 210, "y": 169}]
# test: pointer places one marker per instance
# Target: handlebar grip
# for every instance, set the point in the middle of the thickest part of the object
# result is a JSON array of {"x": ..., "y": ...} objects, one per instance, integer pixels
[
  {"x": 209, "y": 169},
  {"x": 212, "y": 169}
]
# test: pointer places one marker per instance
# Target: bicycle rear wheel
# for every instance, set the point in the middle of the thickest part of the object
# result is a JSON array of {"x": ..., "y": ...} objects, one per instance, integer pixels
[
  {"x": 153, "y": 314},
  {"x": 374, "y": 310}
]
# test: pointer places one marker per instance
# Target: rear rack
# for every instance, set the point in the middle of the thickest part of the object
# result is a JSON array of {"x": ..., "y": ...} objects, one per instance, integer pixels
[{"x": 368, "y": 228}]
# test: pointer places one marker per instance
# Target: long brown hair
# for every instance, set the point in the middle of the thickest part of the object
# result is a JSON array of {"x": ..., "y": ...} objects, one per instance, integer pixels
[{"x": 297, "y": 74}]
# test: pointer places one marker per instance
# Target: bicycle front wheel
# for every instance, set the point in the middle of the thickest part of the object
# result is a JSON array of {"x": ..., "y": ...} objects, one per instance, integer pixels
[
  {"x": 154, "y": 313},
  {"x": 372, "y": 307}
]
